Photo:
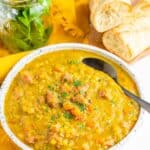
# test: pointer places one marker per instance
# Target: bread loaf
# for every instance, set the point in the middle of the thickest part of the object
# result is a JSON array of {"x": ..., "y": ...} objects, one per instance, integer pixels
[
  {"x": 131, "y": 38},
  {"x": 142, "y": 8},
  {"x": 107, "y": 14}
]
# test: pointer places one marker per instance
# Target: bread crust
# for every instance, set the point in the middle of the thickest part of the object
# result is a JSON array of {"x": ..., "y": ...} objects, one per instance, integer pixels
[
  {"x": 107, "y": 14},
  {"x": 129, "y": 39}
]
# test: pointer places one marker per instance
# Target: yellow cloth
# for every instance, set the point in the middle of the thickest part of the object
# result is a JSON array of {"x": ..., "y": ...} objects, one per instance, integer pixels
[
  {"x": 3, "y": 52},
  {"x": 6, "y": 63}
]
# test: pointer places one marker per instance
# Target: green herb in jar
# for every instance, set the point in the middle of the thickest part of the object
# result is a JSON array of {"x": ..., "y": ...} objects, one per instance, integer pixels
[{"x": 26, "y": 28}]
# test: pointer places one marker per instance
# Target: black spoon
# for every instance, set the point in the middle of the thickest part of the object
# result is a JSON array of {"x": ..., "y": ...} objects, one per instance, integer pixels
[{"x": 110, "y": 70}]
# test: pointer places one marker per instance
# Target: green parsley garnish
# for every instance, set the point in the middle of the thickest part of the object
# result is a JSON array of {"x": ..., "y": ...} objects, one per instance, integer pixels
[
  {"x": 113, "y": 102},
  {"x": 73, "y": 62},
  {"x": 64, "y": 95},
  {"x": 68, "y": 115},
  {"x": 82, "y": 107},
  {"x": 48, "y": 126},
  {"x": 53, "y": 117},
  {"x": 77, "y": 83},
  {"x": 81, "y": 126},
  {"x": 50, "y": 88},
  {"x": 131, "y": 102},
  {"x": 46, "y": 109}
]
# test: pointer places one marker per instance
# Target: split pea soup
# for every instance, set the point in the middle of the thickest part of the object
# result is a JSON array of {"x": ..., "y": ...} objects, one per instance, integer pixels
[{"x": 57, "y": 102}]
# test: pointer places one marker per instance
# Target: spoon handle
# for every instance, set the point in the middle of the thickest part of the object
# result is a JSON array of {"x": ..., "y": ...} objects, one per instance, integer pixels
[{"x": 140, "y": 101}]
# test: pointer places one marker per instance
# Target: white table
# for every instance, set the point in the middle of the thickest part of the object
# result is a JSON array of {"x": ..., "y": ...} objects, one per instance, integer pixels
[{"x": 141, "y": 141}]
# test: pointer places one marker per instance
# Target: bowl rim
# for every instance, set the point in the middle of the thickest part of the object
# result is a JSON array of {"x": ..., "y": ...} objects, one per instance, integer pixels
[{"x": 58, "y": 47}]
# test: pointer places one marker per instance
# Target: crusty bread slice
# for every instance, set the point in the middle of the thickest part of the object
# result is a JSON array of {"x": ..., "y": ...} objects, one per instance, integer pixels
[
  {"x": 129, "y": 39},
  {"x": 93, "y": 4},
  {"x": 142, "y": 8},
  {"x": 107, "y": 14}
]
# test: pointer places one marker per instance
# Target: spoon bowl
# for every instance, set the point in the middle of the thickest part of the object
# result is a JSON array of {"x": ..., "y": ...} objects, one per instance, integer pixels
[{"x": 102, "y": 66}]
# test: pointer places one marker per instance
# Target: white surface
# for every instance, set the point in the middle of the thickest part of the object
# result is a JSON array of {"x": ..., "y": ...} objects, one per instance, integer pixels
[{"x": 142, "y": 71}]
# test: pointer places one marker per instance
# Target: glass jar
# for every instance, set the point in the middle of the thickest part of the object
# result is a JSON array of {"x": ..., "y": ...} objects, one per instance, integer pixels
[{"x": 22, "y": 23}]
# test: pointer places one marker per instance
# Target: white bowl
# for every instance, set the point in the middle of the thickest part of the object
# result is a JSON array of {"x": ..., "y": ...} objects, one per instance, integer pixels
[{"x": 66, "y": 46}]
